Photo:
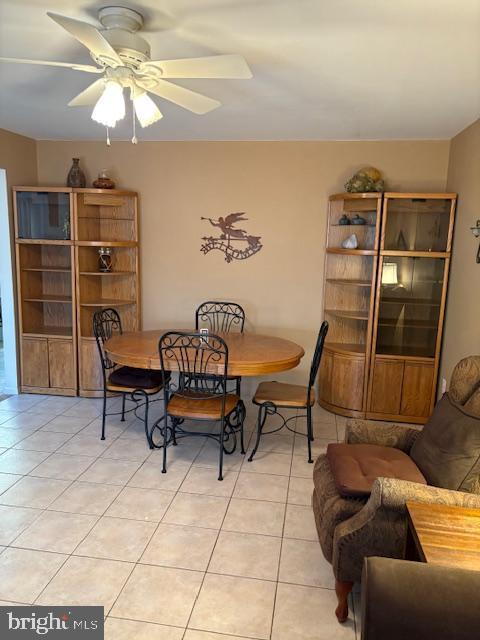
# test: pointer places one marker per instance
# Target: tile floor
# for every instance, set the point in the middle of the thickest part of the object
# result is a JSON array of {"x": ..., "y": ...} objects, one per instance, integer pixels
[{"x": 170, "y": 557}]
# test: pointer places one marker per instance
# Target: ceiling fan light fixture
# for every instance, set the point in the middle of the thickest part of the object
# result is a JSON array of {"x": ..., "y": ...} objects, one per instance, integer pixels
[
  {"x": 110, "y": 107},
  {"x": 146, "y": 110}
]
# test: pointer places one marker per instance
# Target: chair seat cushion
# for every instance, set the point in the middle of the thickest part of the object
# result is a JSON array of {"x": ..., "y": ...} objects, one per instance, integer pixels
[
  {"x": 447, "y": 451},
  {"x": 134, "y": 378},
  {"x": 356, "y": 466},
  {"x": 197, "y": 407},
  {"x": 283, "y": 395}
]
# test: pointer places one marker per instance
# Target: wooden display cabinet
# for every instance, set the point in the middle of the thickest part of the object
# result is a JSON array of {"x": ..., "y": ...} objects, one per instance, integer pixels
[
  {"x": 58, "y": 234},
  {"x": 412, "y": 280},
  {"x": 385, "y": 304},
  {"x": 46, "y": 290}
]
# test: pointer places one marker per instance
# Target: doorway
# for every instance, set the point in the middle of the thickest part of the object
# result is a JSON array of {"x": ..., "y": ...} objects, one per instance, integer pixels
[{"x": 8, "y": 338}]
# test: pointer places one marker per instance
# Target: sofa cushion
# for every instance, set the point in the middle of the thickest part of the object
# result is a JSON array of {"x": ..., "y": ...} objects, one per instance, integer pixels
[
  {"x": 465, "y": 379},
  {"x": 136, "y": 378},
  {"x": 447, "y": 451},
  {"x": 356, "y": 466}
]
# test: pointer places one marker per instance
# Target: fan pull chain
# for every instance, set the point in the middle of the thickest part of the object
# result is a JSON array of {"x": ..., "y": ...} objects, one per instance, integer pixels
[
  {"x": 108, "y": 138},
  {"x": 134, "y": 137}
]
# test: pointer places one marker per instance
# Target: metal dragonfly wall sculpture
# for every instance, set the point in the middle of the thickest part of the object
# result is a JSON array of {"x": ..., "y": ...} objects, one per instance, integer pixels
[{"x": 236, "y": 244}]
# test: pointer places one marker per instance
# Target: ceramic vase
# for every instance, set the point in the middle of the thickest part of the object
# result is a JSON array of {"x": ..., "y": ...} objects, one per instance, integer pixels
[{"x": 76, "y": 177}]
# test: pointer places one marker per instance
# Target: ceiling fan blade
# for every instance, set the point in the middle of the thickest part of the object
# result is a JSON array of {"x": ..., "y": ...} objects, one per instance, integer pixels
[
  {"x": 76, "y": 67},
  {"x": 191, "y": 100},
  {"x": 224, "y": 66},
  {"x": 90, "y": 37},
  {"x": 90, "y": 95}
]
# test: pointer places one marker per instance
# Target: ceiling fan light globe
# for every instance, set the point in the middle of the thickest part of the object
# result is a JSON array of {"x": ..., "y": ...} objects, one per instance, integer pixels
[
  {"x": 146, "y": 110},
  {"x": 110, "y": 107}
]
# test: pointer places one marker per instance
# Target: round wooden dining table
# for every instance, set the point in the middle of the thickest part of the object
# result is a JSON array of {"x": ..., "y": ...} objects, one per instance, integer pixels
[{"x": 249, "y": 354}]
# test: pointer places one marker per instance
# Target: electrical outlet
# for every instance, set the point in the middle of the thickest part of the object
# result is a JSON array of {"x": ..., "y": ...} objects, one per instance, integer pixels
[{"x": 444, "y": 385}]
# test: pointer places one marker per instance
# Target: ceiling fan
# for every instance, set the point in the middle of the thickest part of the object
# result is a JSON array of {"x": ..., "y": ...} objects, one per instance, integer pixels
[{"x": 122, "y": 59}]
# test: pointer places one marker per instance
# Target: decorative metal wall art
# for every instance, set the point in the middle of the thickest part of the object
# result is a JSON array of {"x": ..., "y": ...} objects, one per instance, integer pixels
[{"x": 236, "y": 244}]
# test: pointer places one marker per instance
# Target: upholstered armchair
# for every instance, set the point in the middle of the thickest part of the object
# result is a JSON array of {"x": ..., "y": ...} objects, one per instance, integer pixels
[{"x": 447, "y": 452}]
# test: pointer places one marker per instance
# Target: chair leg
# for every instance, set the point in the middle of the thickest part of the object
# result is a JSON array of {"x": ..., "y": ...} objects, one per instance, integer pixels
[
  {"x": 342, "y": 589},
  {"x": 238, "y": 389},
  {"x": 145, "y": 420},
  {"x": 104, "y": 411},
  {"x": 174, "y": 423},
  {"x": 165, "y": 440},
  {"x": 123, "y": 407},
  {"x": 220, "y": 462},
  {"x": 242, "y": 420},
  {"x": 309, "y": 433},
  {"x": 260, "y": 422}
]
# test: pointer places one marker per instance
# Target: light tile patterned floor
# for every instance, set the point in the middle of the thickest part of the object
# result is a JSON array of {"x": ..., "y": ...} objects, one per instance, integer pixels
[{"x": 178, "y": 556}]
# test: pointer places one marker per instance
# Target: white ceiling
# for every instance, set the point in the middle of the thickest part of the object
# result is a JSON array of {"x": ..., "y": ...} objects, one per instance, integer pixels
[{"x": 323, "y": 69}]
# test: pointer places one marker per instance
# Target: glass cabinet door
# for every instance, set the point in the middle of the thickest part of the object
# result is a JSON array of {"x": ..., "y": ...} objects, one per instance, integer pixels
[
  {"x": 417, "y": 224},
  {"x": 43, "y": 215},
  {"x": 409, "y": 305}
]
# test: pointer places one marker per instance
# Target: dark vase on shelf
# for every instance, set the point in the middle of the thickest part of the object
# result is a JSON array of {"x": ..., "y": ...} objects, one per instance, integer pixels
[{"x": 76, "y": 177}]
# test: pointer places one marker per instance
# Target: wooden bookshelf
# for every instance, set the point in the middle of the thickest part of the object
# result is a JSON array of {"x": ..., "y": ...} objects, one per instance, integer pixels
[
  {"x": 104, "y": 220},
  {"x": 58, "y": 234},
  {"x": 348, "y": 302}
]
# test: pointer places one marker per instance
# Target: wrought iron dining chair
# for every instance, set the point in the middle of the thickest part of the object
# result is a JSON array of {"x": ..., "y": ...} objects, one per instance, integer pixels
[
  {"x": 201, "y": 394},
  {"x": 139, "y": 384},
  {"x": 223, "y": 317},
  {"x": 272, "y": 396}
]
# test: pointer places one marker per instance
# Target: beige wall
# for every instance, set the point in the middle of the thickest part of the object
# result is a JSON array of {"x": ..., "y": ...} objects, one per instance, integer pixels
[
  {"x": 18, "y": 156},
  {"x": 282, "y": 187},
  {"x": 462, "y": 327}
]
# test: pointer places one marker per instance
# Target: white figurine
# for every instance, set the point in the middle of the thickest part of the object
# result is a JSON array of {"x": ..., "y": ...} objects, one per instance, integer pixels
[{"x": 351, "y": 242}]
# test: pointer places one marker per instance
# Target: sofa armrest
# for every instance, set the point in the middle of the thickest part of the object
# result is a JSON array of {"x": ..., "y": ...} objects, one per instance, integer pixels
[
  {"x": 385, "y": 434},
  {"x": 379, "y": 528},
  {"x": 393, "y": 494}
]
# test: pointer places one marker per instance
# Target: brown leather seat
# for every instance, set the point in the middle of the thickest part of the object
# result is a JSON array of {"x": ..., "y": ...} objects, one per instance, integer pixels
[
  {"x": 192, "y": 406},
  {"x": 283, "y": 395},
  {"x": 355, "y": 467}
]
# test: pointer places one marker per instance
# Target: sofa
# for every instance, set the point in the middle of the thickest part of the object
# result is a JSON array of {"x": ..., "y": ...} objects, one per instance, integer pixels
[
  {"x": 418, "y": 601},
  {"x": 446, "y": 451}
]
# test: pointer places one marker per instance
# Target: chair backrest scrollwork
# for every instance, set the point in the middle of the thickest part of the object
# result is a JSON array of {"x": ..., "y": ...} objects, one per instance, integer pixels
[
  {"x": 106, "y": 323},
  {"x": 220, "y": 316},
  {"x": 201, "y": 362}
]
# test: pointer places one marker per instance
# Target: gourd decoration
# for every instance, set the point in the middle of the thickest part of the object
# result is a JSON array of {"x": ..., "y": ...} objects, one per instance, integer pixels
[{"x": 367, "y": 179}]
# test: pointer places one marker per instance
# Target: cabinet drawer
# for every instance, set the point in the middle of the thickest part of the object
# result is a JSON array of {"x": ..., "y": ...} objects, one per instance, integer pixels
[
  {"x": 61, "y": 364},
  {"x": 35, "y": 362},
  {"x": 347, "y": 382},
  {"x": 417, "y": 390},
  {"x": 325, "y": 377},
  {"x": 91, "y": 377},
  {"x": 387, "y": 384}
]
